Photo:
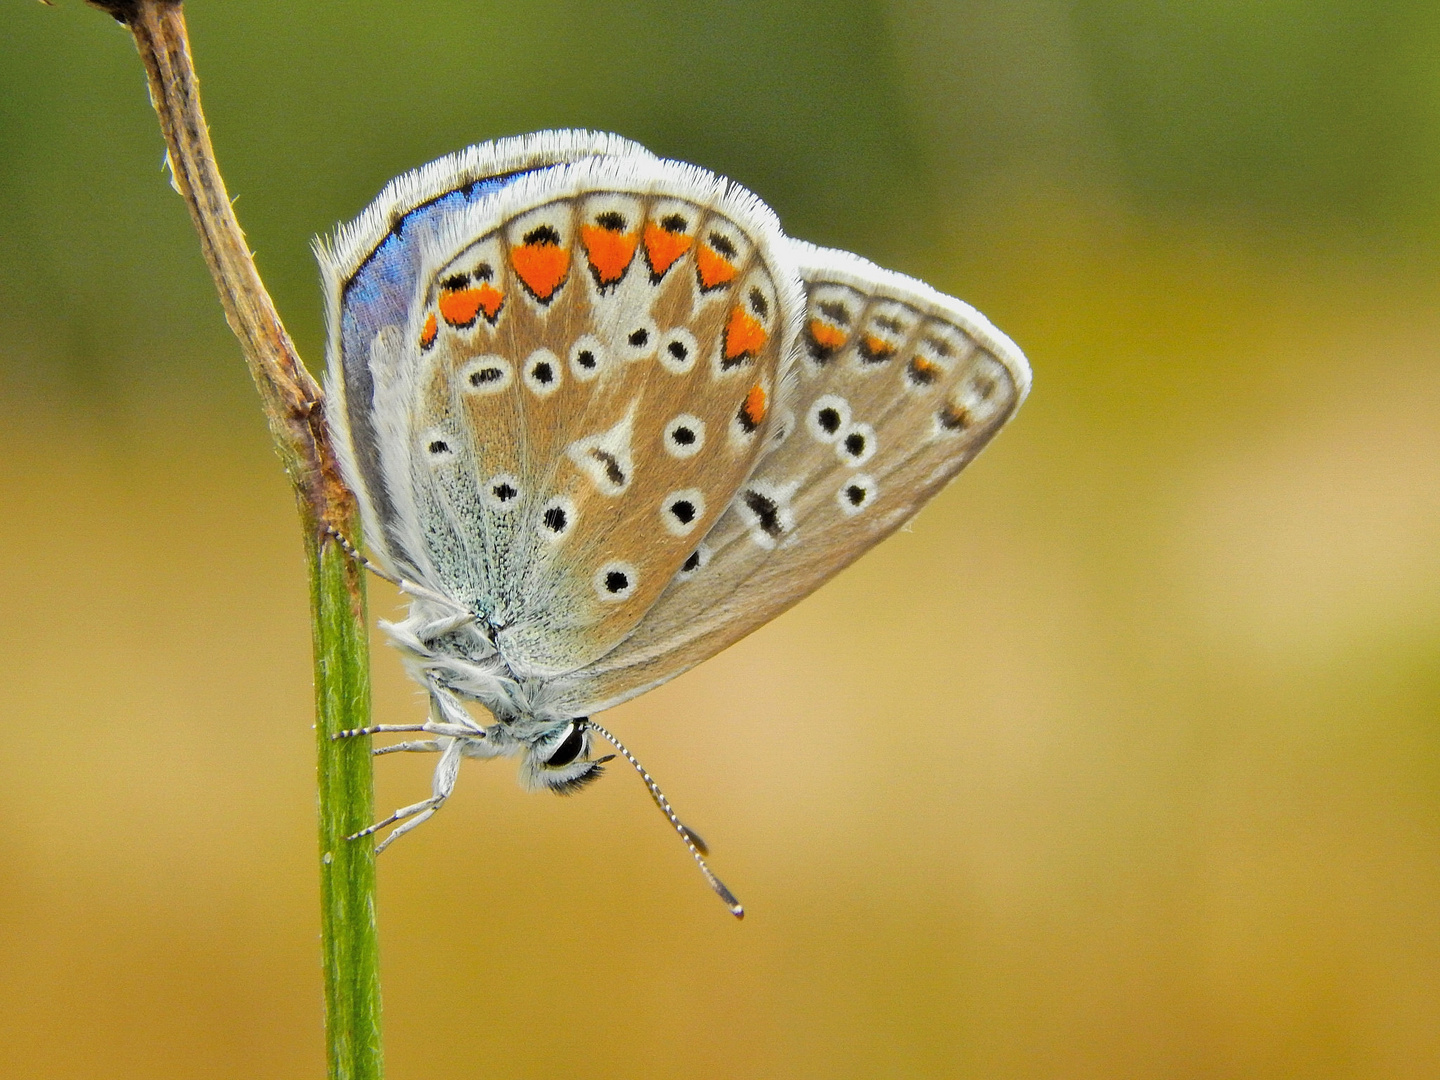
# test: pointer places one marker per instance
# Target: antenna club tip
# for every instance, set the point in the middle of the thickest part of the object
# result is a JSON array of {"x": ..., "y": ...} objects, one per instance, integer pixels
[{"x": 738, "y": 911}]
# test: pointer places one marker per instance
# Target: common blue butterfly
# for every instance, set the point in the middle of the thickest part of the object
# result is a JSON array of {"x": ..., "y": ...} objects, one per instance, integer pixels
[{"x": 604, "y": 418}]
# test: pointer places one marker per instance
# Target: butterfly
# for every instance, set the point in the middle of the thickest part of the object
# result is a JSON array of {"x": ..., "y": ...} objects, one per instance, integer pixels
[{"x": 603, "y": 418}]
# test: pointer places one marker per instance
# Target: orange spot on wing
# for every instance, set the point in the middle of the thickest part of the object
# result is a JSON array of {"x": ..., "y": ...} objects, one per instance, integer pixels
[
  {"x": 543, "y": 267},
  {"x": 459, "y": 307},
  {"x": 875, "y": 349},
  {"x": 744, "y": 336},
  {"x": 610, "y": 252},
  {"x": 714, "y": 268},
  {"x": 831, "y": 337},
  {"x": 752, "y": 412},
  {"x": 428, "y": 331},
  {"x": 491, "y": 300},
  {"x": 925, "y": 371},
  {"x": 663, "y": 247}
]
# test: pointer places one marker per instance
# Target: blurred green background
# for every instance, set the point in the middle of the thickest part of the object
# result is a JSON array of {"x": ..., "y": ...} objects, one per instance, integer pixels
[{"x": 1124, "y": 762}]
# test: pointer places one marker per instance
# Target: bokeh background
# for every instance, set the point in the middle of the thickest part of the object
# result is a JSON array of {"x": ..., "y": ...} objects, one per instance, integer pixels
[{"x": 1124, "y": 762}]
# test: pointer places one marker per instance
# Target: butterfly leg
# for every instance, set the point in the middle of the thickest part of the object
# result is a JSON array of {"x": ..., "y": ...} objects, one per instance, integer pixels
[
  {"x": 414, "y": 815},
  {"x": 414, "y": 746},
  {"x": 453, "y": 731}
]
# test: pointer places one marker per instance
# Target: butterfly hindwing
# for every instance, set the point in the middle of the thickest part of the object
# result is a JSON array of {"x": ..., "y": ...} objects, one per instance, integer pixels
[{"x": 898, "y": 388}]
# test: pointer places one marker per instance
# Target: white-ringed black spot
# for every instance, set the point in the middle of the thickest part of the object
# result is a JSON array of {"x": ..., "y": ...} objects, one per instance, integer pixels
[
  {"x": 485, "y": 375},
  {"x": 827, "y": 417},
  {"x": 542, "y": 372},
  {"x": 684, "y": 436},
  {"x": 557, "y": 518},
  {"x": 681, "y": 511},
  {"x": 758, "y": 304},
  {"x": 438, "y": 446},
  {"x": 616, "y": 581},
  {"x": 856, "y": 444},
  {"x": 639, "y": 341},
  {"x": 614, "y": 471},
  {"x": 587, "y": 358},
  {"x": 502, "y": 492},
  {"x": 855, "y": 494},
  {"x": 766, "y": 511},
  {"x": 678, "y": 351},
  {"x": 694, "y": 562}
]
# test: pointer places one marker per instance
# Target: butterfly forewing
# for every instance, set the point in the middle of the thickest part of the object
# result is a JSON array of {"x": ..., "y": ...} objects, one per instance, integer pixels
[
  {"x": 898, "y": 388},
  {"x": 593, "y": 368}
]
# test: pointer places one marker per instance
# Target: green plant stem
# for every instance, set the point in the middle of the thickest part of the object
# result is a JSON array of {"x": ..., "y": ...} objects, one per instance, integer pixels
[
  {"x": 294, "y": 409},
  {"x": 347, "y": 867}
]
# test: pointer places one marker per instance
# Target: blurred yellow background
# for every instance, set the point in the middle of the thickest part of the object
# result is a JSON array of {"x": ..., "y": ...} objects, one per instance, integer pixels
[{"x": 1123, "y": 762}]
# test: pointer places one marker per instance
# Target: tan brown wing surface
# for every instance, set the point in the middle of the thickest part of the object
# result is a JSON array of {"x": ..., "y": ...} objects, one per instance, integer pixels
[
  {"x": 898, "y": 389},
  {"x": 595, "y": 376}
]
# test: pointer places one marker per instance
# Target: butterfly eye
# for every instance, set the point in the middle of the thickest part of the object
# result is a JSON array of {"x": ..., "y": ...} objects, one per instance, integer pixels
[{"x": 570, "y": 748}]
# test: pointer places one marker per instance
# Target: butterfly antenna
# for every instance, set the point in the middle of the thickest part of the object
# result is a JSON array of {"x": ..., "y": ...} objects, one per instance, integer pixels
[{"x": 692, "y": 840}]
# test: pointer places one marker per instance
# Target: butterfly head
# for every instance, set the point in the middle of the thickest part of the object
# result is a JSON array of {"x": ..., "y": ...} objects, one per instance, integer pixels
[{"x": 559, "y": 759}]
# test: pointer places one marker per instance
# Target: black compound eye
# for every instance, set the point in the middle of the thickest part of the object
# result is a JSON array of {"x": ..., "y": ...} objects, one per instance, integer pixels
[{"x": 569, "y": 749}]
